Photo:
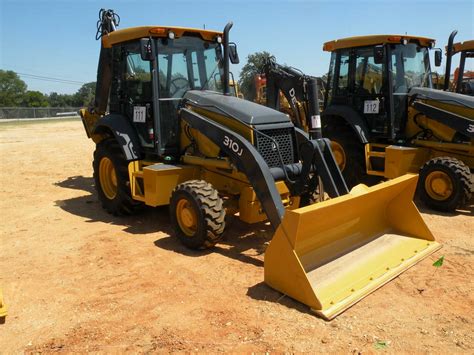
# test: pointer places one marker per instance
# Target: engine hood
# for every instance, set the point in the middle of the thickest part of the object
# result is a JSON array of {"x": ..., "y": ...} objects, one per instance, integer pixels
[{"x": 246, "y": 111}]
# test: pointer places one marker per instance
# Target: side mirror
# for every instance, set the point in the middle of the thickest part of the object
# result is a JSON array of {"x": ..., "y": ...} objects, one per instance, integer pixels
[
  {"x": 233, "y": 55},
  {"x": 147, "y": 49},
  {"x": 438, "y": 54},
  {"x": 379, "y": 54}
]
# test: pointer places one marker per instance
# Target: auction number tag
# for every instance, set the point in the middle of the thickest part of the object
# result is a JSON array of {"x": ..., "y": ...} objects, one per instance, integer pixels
[
  {"x": 371, "y": 106},
  {"x": 139, "y": 113}
]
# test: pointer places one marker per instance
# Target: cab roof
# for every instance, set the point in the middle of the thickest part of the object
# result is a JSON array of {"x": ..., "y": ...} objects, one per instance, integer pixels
[
  {"x": 372, "y": 40},
  {"x": 128, "y": 34},
  {"x": 463, "y": 46}
]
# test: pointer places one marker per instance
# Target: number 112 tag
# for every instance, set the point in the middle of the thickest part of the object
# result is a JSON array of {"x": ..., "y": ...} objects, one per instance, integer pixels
[{"x": 371, "y": 106}]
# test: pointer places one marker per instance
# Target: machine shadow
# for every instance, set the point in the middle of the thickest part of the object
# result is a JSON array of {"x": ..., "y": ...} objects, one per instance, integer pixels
[
  {"x": 242, "y": 242},
  {"x": 263, "y": 292},
  {"x": 467, "y": 210},
  {"x": 150, "y": 220}
]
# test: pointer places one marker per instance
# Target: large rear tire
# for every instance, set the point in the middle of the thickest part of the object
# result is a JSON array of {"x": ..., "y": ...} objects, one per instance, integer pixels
[
  {"x": 197, "y": 214},
  {"x": 445, "y": 184},
  {"x": 112, "y": 179},
  {"x": 348, "y": 152}
]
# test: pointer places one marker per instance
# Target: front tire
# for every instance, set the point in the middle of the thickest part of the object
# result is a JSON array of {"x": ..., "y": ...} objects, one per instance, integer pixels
[
  {"x": 112, "y": 179},
  {"x": 445, "y": 184},
  {"x": 197, "y": 214}
]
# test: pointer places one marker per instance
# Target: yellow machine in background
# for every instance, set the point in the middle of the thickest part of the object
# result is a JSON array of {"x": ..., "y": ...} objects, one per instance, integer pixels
[
  {"x": 463, "y": 81},
  {"x": 169, "y": 138},
  {"x": 3, "y": 309},
  {"x": 385, "y": 120},
  {"x": 235, "y": 89}
]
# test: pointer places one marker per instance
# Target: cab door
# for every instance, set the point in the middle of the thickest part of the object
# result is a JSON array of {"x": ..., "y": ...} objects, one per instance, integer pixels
[
  {"x": 369, "y": 92},
  {"x": 136, "y": 87}
]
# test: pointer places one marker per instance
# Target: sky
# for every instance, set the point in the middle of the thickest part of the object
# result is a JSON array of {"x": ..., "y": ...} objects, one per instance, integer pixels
[{"x": 56, "y": 39}]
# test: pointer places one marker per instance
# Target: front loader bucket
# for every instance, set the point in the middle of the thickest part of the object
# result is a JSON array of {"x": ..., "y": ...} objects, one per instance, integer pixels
[{"x": 332, "y": 254}]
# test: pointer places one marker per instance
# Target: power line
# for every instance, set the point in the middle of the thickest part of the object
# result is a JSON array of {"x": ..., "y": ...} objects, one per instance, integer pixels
[{"x": 48, "y": 78}]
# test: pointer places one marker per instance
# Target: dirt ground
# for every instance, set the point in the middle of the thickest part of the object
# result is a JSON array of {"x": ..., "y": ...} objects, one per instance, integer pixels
[{"x": 77, "y": 279}]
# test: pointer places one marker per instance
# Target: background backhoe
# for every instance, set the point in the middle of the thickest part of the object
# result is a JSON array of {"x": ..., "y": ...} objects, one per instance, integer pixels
[
  {"x": 383, "y": 117},
  {"x": 463, "y": 81},
  {"x": 386, "y": 119},
  {"x": 168, "y": 133}
]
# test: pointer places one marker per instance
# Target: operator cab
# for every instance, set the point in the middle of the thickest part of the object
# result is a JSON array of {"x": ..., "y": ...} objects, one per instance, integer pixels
[
  {"x": 463, "y": 81},
  {"x": 374, "y": 74},
  {"x": 152, "y": 72}
]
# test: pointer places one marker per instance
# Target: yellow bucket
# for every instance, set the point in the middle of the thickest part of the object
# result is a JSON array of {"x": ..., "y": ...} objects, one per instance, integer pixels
[{"x": 332, "y": 254}]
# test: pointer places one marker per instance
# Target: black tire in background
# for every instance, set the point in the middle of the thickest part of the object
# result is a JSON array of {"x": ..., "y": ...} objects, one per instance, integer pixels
[
  {"x": 353, "y": 169},
  {"x": 439, "y": 172}
]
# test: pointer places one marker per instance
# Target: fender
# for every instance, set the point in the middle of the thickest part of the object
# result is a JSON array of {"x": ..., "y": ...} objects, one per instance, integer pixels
[
  {"x": 123, "y": 132},
  {"x": 352, "y": 117}
]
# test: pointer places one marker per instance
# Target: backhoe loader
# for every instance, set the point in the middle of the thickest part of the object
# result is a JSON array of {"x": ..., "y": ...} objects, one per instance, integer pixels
[
  {"x": 463, "y": 82},
  {"x": 384, "y": 131},
  {"x": 386, "y": 120},
  {"x": 168, "y": 133}
]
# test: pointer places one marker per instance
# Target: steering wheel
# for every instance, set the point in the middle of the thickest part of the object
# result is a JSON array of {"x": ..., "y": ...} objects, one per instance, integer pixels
[{"x": 178, "y": 86}]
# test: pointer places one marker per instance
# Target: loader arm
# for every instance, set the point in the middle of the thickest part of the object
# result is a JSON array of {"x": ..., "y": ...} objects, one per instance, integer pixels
[
  {"x": 315, "y": 153},
  {"x": 457, "y": 122}
]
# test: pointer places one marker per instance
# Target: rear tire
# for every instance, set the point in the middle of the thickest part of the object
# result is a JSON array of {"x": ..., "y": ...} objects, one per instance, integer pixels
[
  {"x": 112, "y": 179},
  {"x": 349, "y": 153},
  {"x": 197, "y": 214},
  {"x": 445, "y": 184}
]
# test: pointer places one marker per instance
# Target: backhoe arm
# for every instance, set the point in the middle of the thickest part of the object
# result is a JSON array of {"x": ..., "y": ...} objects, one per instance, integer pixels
[{"x": 297, "y": 88}]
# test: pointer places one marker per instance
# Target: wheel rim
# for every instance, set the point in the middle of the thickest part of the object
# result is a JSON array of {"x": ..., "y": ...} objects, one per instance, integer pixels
[
  {"x": 108, "y": 178},
  {"x": 187, "y": 217},
  {"x": 339, "y": 154},
  {"x": 438, "y": 185}
]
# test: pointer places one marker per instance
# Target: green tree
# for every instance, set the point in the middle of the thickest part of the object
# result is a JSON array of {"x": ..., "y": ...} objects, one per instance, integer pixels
[
  {"x": 254, "y": 66},
  {"x": 12, "y": 88},
  {"x": 85, "y": 95},
  {"x": 61, "y": 100},
  {"x": 34, "y": 99}
]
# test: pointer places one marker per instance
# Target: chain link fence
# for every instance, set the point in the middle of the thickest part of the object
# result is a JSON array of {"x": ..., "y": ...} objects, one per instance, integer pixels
[{"x": 37, "y": 112}]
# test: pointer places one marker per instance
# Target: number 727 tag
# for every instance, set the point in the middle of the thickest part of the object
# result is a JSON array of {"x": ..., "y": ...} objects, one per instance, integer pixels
[{"x": 371, "y": 106}]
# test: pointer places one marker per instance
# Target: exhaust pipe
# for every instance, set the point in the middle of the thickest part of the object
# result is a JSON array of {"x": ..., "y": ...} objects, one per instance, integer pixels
[{"x": 449, "y": 54}]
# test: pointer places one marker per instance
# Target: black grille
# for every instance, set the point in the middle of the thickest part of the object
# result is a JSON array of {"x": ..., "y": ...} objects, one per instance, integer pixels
[{"x": 268, "y": 150}]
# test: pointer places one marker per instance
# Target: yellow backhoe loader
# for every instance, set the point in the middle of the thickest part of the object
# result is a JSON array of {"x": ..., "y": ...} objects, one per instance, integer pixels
[
  {"x": 385, "y": 119},
  {"x": 165, "y": 136},
  {"x": 379, "y": 130}
]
